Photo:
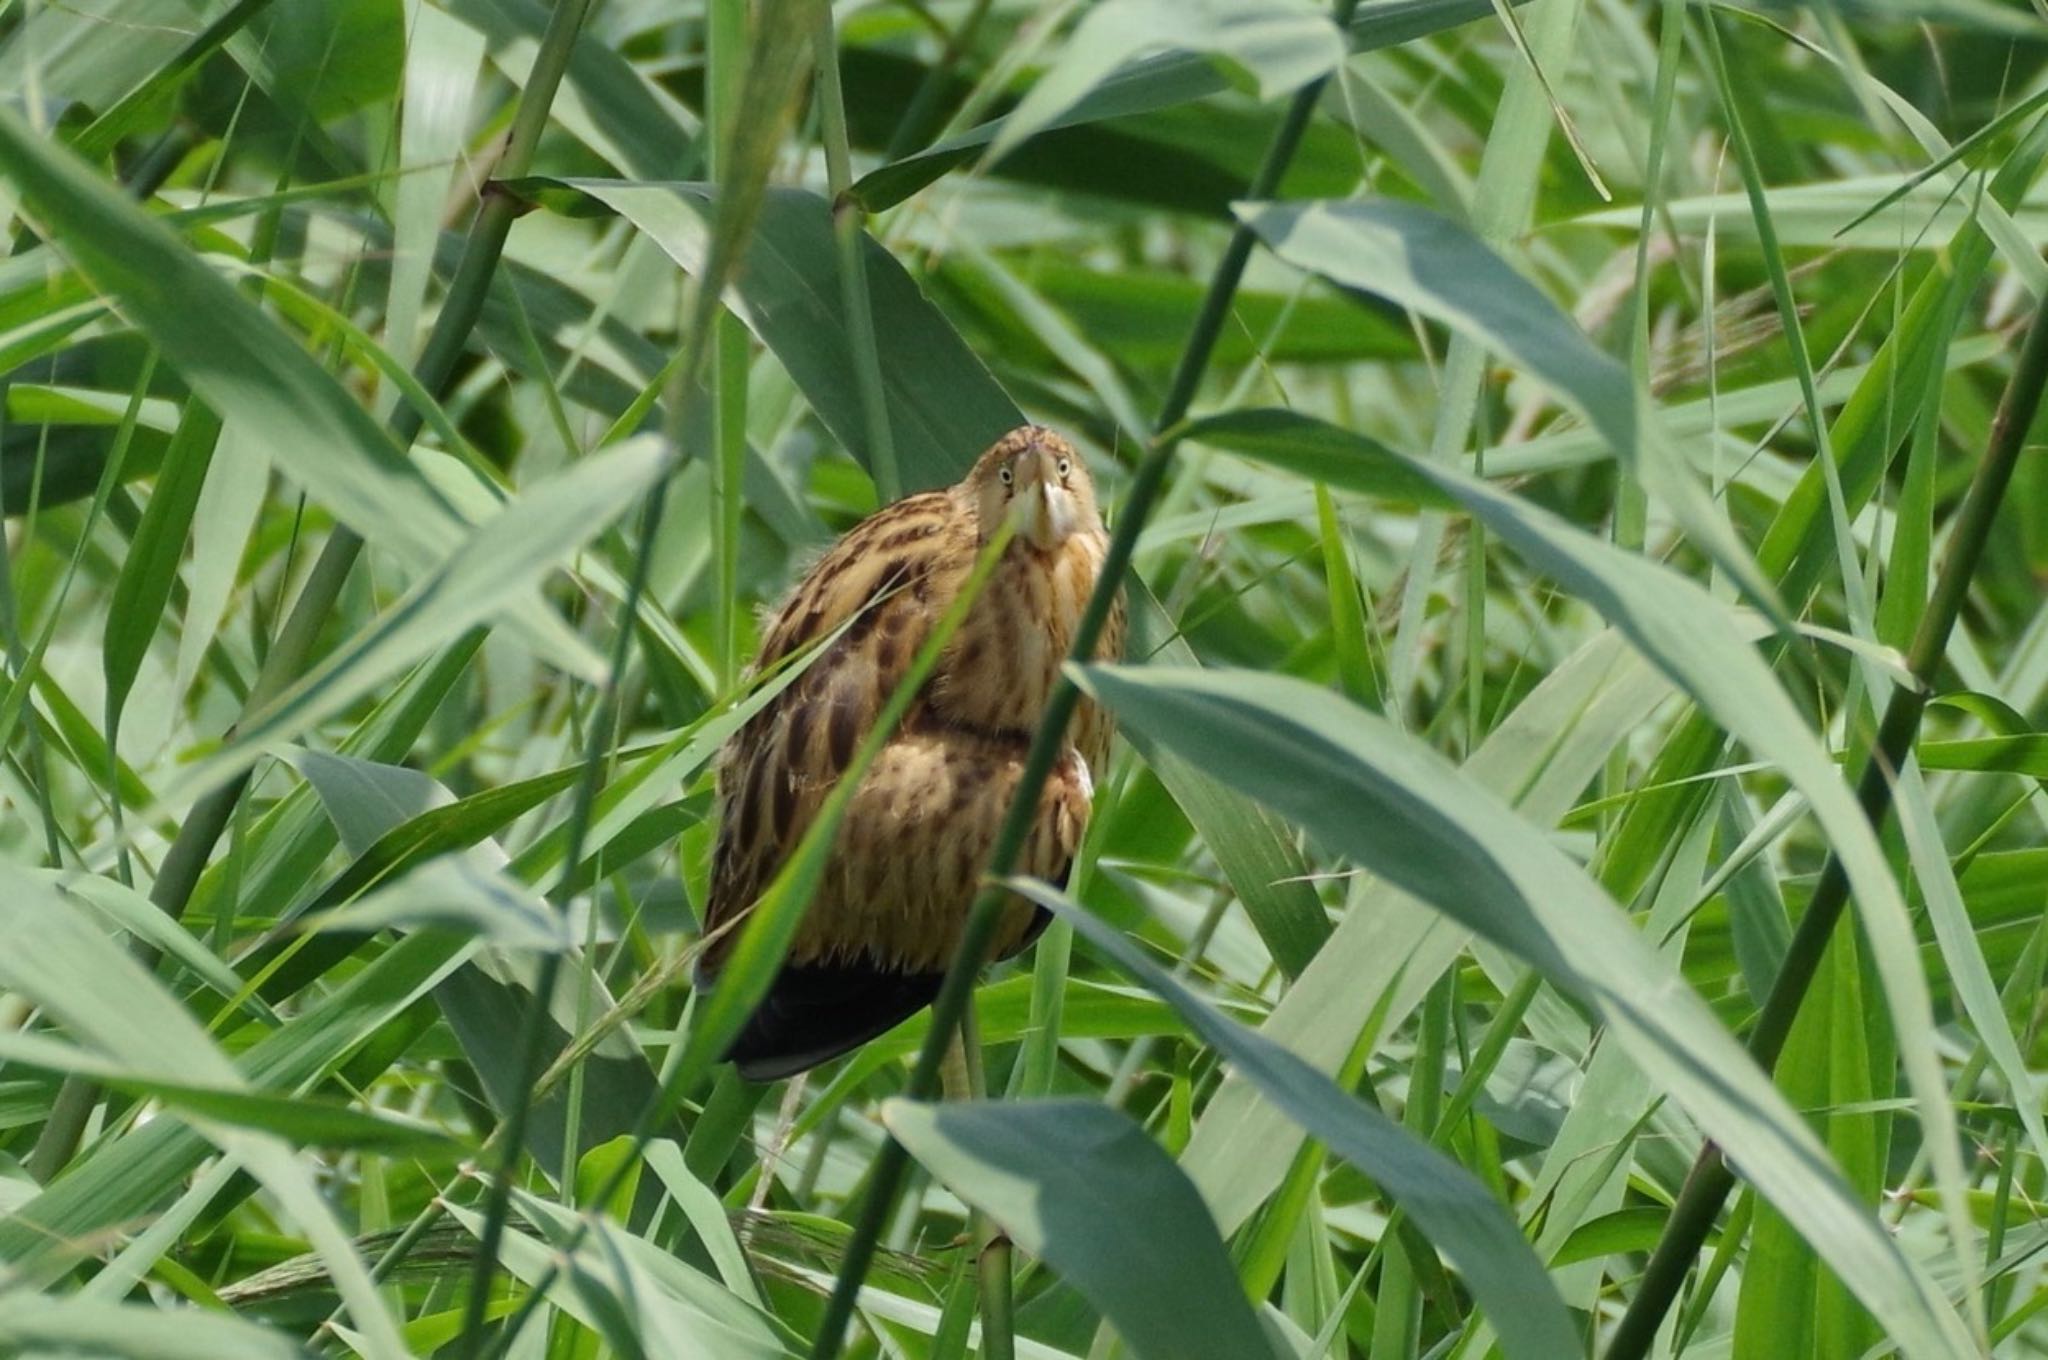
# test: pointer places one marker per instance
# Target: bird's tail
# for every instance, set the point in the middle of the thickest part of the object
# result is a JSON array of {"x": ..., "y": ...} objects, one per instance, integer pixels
[{"x": 815, "y": 1012}]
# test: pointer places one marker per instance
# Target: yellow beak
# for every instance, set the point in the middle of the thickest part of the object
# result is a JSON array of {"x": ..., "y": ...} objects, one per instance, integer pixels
[{"x": 1040, "y": 508}]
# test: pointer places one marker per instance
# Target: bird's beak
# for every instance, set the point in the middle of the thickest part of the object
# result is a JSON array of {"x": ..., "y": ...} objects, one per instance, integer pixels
[{"x": 1037, "y": 508}]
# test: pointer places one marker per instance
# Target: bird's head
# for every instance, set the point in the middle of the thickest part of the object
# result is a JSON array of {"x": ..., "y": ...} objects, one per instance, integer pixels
[{"x": 1038, "y": 480}]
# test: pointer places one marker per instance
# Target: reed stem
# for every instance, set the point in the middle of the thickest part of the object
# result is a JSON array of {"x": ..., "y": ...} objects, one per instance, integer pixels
[
  {"x": 848, "y": 231},
  {"x": 1707, "y": 1185},
  {"x": 886, "y": 1182}
]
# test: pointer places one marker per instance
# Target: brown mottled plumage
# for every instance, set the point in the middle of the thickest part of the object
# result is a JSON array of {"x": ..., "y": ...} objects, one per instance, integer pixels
[{"x": 917, "y": 836}]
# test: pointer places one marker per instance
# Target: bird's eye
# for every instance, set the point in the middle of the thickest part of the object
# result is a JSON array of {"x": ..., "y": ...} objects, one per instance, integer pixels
[
  {"x": 1006, "y": 475},
  {"x": 1066, "y": 466}
]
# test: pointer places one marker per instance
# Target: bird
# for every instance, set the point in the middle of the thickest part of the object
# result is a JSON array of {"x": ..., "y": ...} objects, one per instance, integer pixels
[{"x": 908, "y": 857}]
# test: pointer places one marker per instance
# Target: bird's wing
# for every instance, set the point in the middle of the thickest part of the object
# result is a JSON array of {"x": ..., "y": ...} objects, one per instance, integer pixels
[
  {"x": 1092, "y": 727},
  {"x": 885, "y": 582},
  {"x": 888, "y": 916}
]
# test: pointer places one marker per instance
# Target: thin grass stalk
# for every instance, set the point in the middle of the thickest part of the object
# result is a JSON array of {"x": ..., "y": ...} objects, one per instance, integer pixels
[
  {"x": 1264, "y": 1257},
  {"x": 729, "y": 365},
  {"x": 702, "y": 341},
  {"x": 1632, "y": 507},
  {"x": 1398, "y": 1306},
  {"x": 101, "y": 135},
  {"x": 24, "y": 667},
  {"x": 995, "y": 1280},
  {"x": 1502, "y": 206},
  {"x": 726, "y": 55},
  {"x": 853, "y": 277},
  {"x": 1707, "y": 1185},
  {"x": 293, "y": 648},
  {"x": 262, "y": 245},
  {"x": 1999, "y": 1293},
  {"x": 1139, "y": 1051},
  {"x": 1500, "y": 1030},
  {"x": 1670, "y": 43},
  {"x": 1854, "y": 589},
  {"x": 917, "y": 122},
  {"x": 772, "y": 70},
  {"x": 1733, "y": 1234},
  {"x": 587, "y": 979},
  {"x": 886, "y": 1182},
  {"x": 533, "y": 1033},
  {"x": 1265, "y": 1253},
  {"x": 998, "y": 1312},
  {"x": 36, "y": 773},
  {"x": 1347, "y": 620},
  {"x": 1039, "y": 1059},
  {"x": 962, "y": 1077},
  {"x": 1473, "y": 608}
]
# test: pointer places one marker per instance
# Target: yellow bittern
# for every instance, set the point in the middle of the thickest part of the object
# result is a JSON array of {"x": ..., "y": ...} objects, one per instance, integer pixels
[{"x": 916, "y": 839}]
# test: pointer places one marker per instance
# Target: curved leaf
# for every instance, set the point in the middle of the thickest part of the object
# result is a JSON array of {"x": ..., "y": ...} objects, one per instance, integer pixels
[
  {"x": 493, "y": 570},
  {"x": 944, "y": 408},
  {"x": 1438, "y": 267},
  {"x": 1379, "y": 796},
  {"x": 368, "y": 802},
  {"x": 1452, "y": 1208},
  {"x": 30, "y": 1323},
  {"x": 1541, "y": 757},
  {"x": 1158, "y": 83},
  {"x": 1260, "y": 859},
  {"x": 108, "y": 1003},
  {"x": 144, "y": 585},
  {"x": 1693, "y": 638},
  {"x": 1281, "y": 44},
  {"x": 1084, "y": 1189},
  {"x": 44, "y": 1238},
  {"x": 249, "y": 371}
]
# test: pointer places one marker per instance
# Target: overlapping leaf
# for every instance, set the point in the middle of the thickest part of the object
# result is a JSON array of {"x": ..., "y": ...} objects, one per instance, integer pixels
[{"x": 1382, "y": 798}]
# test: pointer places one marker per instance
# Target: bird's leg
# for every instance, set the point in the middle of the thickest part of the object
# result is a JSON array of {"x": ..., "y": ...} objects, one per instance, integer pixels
[
  {"x": 959, "y": 1075},
  {"x": 961, "y": 1078},
  {"x": 998, "y": 1338}
]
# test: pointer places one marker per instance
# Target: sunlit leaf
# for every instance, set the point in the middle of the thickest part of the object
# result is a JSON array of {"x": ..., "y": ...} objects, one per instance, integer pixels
[{"x": 1086, "y": 1190}]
